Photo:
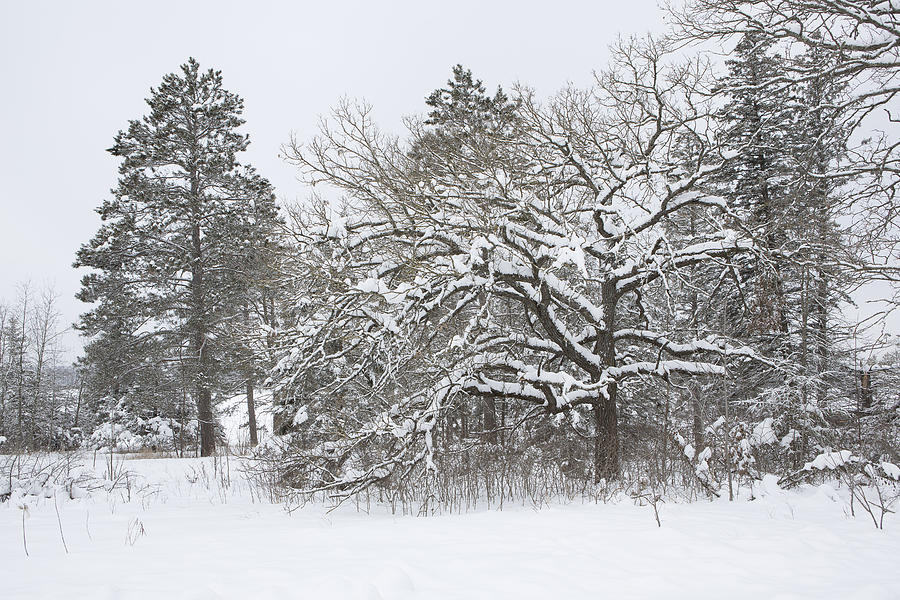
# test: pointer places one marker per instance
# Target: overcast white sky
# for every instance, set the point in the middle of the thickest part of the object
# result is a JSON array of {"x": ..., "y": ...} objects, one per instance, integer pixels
[{"x": 73, "y": 73}]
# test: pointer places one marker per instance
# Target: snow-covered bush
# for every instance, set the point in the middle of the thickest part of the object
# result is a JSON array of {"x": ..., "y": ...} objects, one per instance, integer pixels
[
  {"x": 45, "y": 476},
  {"x": 125, "y": 431},
  {"x": 873, "y": 486}
]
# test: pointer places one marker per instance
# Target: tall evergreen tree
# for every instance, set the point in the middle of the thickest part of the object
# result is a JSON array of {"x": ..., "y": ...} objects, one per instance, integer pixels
[
  {"x": 820, "y": 143},
  {"x": 165, "y": 256},
  {"x": 759, "y": 119},
  {"x": 786, "y": 135}
]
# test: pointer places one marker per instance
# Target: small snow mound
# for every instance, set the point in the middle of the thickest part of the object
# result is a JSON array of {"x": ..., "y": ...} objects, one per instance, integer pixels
[
  {"x": 830, "y": 460},
  {"x": 764, "y": 433},
  {"x": 829, "y": 492},
  {"x": 769, "y": 485},
  {"x": 394, "y": 582},
  {"x": 891, "y": 470}
]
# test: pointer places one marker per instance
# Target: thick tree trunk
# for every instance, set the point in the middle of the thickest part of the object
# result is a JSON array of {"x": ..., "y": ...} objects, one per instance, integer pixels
[
  {"x": 199, "y": 333},
  {"x": 204, "y": 403},
  {"x": 204, "y": 415},
  {"x": 606, "y": 443},
  {"x": 606, "y": 420}
]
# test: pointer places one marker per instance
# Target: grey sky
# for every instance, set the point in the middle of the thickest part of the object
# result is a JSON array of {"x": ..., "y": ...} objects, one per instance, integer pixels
[{"x": 74, "y": 73}]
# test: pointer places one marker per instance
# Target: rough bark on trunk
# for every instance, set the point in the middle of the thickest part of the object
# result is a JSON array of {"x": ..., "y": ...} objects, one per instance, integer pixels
[
  {"x": 199, "y": 333},
  {"x": 606, "y": 422}
]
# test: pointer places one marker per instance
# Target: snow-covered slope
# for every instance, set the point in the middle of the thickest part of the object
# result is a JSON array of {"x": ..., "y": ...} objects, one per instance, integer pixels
[{"x": 188, "y": 533}]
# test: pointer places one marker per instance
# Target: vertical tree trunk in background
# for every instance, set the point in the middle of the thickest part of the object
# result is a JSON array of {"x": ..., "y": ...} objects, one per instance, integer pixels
[
  {"x": 251, "y": 411},
  {"x": 693, "y": 391},
  {"x": 3, "y": 391},
  {"x": 822, "y": 342},
  {"x": 198, "y": 335},
  {"x": 3, "y": 371},
  {"x": 41, "y": 332},
  {"x": 502, "y": 422},
  {"x": 799, "y": 456},
  {"x": 489, "y": 419},
  {"x": 78, "y": 404},
  {"x": 488, "y": 404},
  {"x": 251, "y": 378},
  {"x": 696, "y": 419},
  {"x": 21, "y": 376}
]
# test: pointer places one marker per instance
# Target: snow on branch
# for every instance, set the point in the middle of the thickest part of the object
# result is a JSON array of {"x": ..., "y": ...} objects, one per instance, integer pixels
[{"x": 502, "y": 265}]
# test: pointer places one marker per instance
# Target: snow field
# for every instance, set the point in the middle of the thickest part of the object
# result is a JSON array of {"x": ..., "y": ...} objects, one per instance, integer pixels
[{"x": 186, "y": 535}]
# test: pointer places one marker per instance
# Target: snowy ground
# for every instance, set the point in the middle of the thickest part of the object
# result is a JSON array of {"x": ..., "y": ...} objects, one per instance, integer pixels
[{"x": 203, "y": 541}]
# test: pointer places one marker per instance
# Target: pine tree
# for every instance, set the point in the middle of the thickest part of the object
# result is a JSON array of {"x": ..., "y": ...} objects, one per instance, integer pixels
[
  {"x": 464, "y": 124},
  {"x": 786, "y": 135},
  {"x": 758, "y": 119},
  {"x": 467, "y": 126},
  {"x": 246, "y": 331},
  {"x": 463, "y": 109},
  {"x": 820, "y": 142},
  {"x": 173, "y": 232},
  {"x": 14, "y": 378}
]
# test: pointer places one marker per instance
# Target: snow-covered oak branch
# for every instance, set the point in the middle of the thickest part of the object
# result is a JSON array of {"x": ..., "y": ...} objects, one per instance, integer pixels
[{"x": 500, "y": 264}]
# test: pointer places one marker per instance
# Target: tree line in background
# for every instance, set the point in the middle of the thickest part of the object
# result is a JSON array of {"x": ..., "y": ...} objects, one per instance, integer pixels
[
  {"x": 40, "y": 400},
  {"x": 643, "y": 281}
]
